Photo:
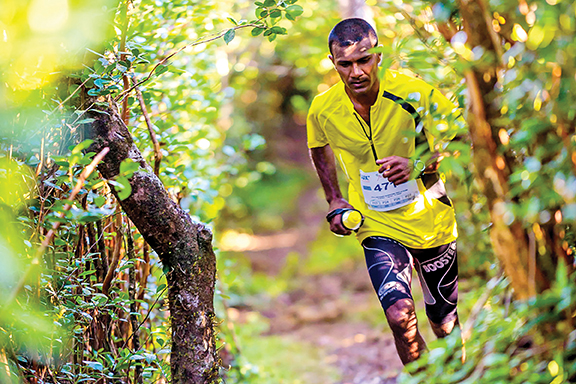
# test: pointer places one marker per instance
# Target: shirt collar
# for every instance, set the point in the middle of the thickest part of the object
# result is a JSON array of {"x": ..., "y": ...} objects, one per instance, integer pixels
[{"x": 350, "y": 106}]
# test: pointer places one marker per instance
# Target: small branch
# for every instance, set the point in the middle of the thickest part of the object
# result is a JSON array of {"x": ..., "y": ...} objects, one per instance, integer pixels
[
  {"x": 102, "y": 250},
  {"x": 157, "y": 152},
  {"x": 146, "y": 317},
  {"x": 123, "y": 94},
  {"x": 50, "y": 235},
  {"x": 494, "y": 37},
  {"x": 133, "y": 305},
  {"x": 115, "y": 256},
  {"x": 145, "y": 271},
  {"x": 93, "y": 247},
  {"x": 122, "y": 48},
  {"x": 126, "y": 91},
  {"x": 41, "y": 164},
  {"x": 61, "y": 104},
  {"x": 424, "y": 35}
]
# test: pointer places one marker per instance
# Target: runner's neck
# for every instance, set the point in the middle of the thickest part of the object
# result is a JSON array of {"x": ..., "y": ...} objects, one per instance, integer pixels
[{"x": 363, "y": 103}]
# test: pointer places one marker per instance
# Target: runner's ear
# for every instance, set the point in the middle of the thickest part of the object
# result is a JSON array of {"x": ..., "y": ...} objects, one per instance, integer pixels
[{"x": 332, "y": 60}]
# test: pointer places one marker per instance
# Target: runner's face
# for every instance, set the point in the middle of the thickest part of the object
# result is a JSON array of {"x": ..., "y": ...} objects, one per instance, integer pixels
[{"x": 357, "y": 68}]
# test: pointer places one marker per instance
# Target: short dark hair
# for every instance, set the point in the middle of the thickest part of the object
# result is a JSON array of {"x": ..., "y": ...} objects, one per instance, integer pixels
[{"x": 351, "y": 31}]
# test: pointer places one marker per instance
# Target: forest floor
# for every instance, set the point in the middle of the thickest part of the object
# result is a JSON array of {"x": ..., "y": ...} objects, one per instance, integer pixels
[
  {"x": 322, "y": 313},
  {"x": 335, "y": 311}
]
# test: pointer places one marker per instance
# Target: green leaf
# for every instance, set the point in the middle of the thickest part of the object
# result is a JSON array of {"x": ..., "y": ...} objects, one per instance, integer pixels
[
  {"x": 279, "y": 30},
  {"x": 294, "y": 10},
  {"x": 178, "y": 39},
  {"x": 86, "y": 121},
  {"x": 561, "y": 274},
  {"x": 98, "y": 66},
  {"x": 269, "y": 3},
  {"x": 276, "y": 13},
  {"x": 83, "y": 145},
  {"x": 150, "y": 357},
  {"x": 257, "y": 31},
  {"x": 161, "y": 69},
  {"x": 89, "y": 218},
  {"x": 86, "y": 273},
  {"x": 124, "y": 188},
  {"x": 233, "y": 21},
  {"x": 95, "y": 365},
  {"x": 229, "y": 36},
  {"x": 128, "y": 167},
  {"x": 99, "y": 201},
  {"x": 87, "y": 159}
]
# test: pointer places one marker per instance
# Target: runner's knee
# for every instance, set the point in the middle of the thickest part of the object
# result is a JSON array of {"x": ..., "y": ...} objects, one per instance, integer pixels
[
  {"x": 442, "y": 330},
  {"x": 402, "y": 317}
]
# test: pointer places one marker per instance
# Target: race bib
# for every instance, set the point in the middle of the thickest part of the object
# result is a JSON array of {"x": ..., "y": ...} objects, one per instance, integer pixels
[{"x": 382, "y": 195}]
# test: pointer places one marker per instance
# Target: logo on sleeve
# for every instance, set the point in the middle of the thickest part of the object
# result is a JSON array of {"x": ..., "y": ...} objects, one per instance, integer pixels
[{"x": 389, "y": 287}]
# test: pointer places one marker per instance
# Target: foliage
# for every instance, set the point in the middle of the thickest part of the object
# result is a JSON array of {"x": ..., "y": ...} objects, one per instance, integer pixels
[
  {"x": 25, "y": 329},
  {"x": 507, "y": 341},
  {"x": 90, "y": 307}
]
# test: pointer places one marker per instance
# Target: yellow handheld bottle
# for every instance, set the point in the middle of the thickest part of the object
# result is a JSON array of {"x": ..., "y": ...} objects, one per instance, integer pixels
[{"x": 351, "y": 219}]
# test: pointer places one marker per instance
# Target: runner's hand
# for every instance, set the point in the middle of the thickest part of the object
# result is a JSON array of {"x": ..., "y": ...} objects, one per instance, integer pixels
[
  {"x": 397, "y": 169},
  {"x": 336, "y": 223}
]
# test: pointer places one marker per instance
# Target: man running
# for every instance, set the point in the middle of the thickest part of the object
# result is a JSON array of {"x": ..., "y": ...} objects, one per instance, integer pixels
[{"x": 373, "y": 129}]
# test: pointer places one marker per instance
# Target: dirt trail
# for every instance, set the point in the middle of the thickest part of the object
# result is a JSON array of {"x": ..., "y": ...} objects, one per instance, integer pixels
[
  {"x": 322, "y": 309},
  {"x": 362, "y": 352}
]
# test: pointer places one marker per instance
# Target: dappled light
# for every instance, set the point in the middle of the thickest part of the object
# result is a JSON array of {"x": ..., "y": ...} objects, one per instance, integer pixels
[
  {"x": 241, "y": 242},
  {"x": 162, "y": 221}
]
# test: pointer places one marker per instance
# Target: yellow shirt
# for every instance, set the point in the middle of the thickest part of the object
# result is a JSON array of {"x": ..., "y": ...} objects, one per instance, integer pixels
[{"x": 406, "y": 107}]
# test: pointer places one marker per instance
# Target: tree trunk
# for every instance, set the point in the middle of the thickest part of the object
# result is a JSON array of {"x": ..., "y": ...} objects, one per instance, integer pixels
[
  {"x": 510, "y": 240},
  {"x": 184, "y": 247}
]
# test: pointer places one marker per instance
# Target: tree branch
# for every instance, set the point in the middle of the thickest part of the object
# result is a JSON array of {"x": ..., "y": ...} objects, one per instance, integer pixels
[
  {"x": 115, "y": 256},
  {"x": 123, "y": 94},
  {"x": 157, "y": 152}
]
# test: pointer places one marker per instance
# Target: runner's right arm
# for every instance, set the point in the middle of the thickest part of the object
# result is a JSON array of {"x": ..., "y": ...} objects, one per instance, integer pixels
[{"x": 323, "y": 159}]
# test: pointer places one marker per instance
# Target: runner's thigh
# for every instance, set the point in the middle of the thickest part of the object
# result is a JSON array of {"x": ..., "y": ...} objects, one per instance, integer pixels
[
  {"x": 390, "y": 267},
  {"x": 437, "y": 270}
]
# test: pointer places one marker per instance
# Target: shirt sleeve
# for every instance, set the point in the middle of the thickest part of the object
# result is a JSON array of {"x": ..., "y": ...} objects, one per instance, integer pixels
[{"x": 315, "y": 132}]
